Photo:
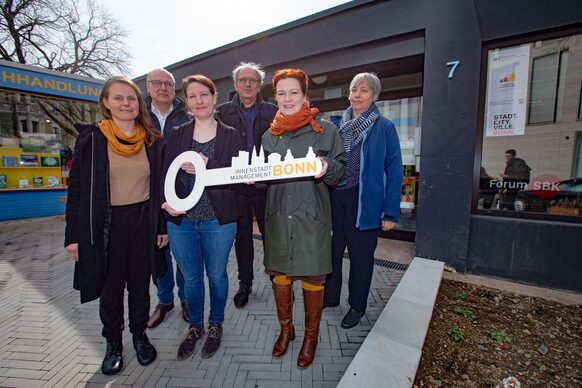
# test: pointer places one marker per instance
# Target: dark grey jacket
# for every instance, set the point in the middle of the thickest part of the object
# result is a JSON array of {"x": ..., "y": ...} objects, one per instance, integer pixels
[{"x": 229, "y": 113}]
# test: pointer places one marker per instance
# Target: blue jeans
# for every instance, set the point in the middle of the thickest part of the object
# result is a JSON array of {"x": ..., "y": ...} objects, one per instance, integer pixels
[
  {"x": 166, "y": 282},
  {"x": 199, "y": 245}
]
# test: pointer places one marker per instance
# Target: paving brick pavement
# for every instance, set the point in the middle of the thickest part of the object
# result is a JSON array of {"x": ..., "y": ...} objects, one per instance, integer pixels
[{"x": 49, "y": 339}]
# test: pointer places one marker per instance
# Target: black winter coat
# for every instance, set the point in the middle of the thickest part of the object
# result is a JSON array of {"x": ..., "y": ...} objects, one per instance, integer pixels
[
  {"x": 229, "y": 113},
  {"x": 228, "y": 144},
  {"x": 88, "y": 212}
]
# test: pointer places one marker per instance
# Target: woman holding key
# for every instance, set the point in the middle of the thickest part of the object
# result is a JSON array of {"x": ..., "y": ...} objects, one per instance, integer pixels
[
  {"x": 298, "y": 211},
  {"x": 202, "y": 237}
]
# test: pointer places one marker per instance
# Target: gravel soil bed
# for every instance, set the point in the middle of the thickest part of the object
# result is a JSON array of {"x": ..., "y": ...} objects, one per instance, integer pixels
[{"x": 480, "y": 336}]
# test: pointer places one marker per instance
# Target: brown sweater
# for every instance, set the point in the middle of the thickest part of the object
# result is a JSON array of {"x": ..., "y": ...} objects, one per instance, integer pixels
[{"x": 129, "y": 178}]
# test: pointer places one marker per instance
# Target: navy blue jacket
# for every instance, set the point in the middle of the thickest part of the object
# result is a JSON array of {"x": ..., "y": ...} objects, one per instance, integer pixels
[
  {"x": 177, "y": 117},
  {"x": 380, "y": 176}
]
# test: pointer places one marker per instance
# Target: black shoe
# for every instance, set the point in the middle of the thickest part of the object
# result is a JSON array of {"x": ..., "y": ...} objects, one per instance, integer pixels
[
  {"x": 146, "y": 353},
  {"x": 112, "y": 362},
  {"x": 326, "y": 305},
  {"x": 352, "y": 318},
  {"x": 241, "y": 298},
  {"x": 188, "y": 345},
  {"x": 212, "y": 341}
]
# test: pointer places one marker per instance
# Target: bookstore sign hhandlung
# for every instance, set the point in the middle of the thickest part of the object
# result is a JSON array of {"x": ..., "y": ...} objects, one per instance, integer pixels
[{"x": 35, "y": 82}]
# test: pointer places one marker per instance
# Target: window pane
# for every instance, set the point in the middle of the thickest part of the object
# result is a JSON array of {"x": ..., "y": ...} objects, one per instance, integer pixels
[
  {"x": 538, "y": 169},
  {"x": 543, "y": 89},
  {"x": 561, "y": 85}
]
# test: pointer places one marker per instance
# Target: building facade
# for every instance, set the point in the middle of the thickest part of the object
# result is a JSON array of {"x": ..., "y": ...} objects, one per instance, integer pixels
[
  {"x": 464, "y": 82},
  {"x": 38, "y": 108}
]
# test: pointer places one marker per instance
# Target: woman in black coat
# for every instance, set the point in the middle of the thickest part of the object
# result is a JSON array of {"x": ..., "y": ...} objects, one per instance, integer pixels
[{"x": 113, "y": 216}]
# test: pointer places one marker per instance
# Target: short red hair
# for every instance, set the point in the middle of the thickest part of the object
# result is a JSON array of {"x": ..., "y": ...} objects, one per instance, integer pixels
[{"x": 298, "y": 74}]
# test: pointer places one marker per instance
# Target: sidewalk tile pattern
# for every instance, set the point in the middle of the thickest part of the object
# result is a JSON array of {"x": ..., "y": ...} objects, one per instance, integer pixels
[{"x": 49, "y": 339}]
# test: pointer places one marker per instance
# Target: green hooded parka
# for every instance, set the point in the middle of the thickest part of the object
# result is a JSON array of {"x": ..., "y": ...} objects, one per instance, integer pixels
[{"x": 298, "y": 211}]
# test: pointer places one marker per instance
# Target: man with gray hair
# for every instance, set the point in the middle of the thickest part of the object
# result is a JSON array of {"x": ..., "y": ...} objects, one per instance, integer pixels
[
  {"x": 251, "y": 117},
  {"x": 167, "y": 112}
]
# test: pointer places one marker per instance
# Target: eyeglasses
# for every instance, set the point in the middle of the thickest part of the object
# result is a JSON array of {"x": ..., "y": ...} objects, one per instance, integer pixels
[
  {"x": 244, "y": 80},
  {"x": 158, "y": 84}
]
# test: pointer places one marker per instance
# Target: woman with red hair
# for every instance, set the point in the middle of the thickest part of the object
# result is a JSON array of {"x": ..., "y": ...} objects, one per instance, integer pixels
[{"x": 298, "y": 211}]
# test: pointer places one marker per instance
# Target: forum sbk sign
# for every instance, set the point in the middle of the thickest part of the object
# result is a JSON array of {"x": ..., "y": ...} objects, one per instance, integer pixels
[{"x": 507, "y": 77}]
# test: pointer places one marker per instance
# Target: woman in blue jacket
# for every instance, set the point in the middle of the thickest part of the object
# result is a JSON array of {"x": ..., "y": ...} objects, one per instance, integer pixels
[{"x": 367, "y": 199}]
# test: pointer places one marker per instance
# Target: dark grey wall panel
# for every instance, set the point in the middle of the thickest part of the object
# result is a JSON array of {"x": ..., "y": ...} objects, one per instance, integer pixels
[
  {"x": 547, "y": 254},
  {"x": 503, "y": 18},
  {"x": 449, "y": 121}
]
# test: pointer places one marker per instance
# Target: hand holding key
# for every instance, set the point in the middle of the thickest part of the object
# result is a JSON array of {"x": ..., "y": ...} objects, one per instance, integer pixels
[
  {"x": 171, "y": 211},
  {"x": 189, "y": 167}
]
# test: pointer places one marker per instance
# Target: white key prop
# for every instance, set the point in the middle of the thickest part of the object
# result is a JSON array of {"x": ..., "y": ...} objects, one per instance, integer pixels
[{"x": 240, "y": 171}]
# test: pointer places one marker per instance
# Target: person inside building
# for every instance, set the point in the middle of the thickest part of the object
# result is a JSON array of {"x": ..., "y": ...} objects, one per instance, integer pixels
[
  {"x": 201, "y": 238},
  {"x": 114, "y": 231},
  {"x": 167, "y": 112},
  {"x": 298, "y": 211},
  {"x": 516, "y": 176},
  {"x": 251, "y": 117},
  {"x": 367, "y": 200}
]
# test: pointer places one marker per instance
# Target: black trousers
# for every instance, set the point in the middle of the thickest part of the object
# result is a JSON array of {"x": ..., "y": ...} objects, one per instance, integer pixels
[
  {"x": 128, "y": 265},
  {"x": 248, "y": 206},
  {"x": 361, "y": 247}
]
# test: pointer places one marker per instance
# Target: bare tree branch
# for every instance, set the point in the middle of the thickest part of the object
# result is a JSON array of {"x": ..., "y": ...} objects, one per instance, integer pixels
[{"x": 73, "y": 36}]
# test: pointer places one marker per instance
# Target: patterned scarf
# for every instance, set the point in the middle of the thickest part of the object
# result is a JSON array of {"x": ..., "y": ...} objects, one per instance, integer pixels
[
  {"x": 352, "y": 130},
  {"x": 119, "y": 142},
  {"x": 295, "y": 121}
]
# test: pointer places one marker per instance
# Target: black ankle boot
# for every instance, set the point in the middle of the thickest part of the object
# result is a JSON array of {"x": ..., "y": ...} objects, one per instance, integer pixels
[
  {"x": 112, "y": 362},
  {"x": 241, "y": 298},
  {"x": 146, "y": 353}
]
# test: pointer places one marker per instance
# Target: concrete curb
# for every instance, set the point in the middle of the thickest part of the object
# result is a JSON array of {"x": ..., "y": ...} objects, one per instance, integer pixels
[{"x": 390, "y": 354}]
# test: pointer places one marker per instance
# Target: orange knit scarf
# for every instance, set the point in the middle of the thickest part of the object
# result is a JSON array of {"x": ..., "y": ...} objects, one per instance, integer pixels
[
  {"x": 115, "y": 137},
  {"x": 282, "y": 124}
]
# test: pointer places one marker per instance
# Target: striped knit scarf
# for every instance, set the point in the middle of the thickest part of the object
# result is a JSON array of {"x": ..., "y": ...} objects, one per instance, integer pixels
[{"x": 352, "y": 130}]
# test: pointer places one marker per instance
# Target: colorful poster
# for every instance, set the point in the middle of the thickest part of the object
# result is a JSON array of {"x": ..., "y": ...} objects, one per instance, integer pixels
[
  {"x": 408, "y": 196},
  {"x": 507, "y": 80}
]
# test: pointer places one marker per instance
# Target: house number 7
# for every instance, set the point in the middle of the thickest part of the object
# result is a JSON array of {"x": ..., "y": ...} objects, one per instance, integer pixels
[{"x": 454, "y": 65}]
